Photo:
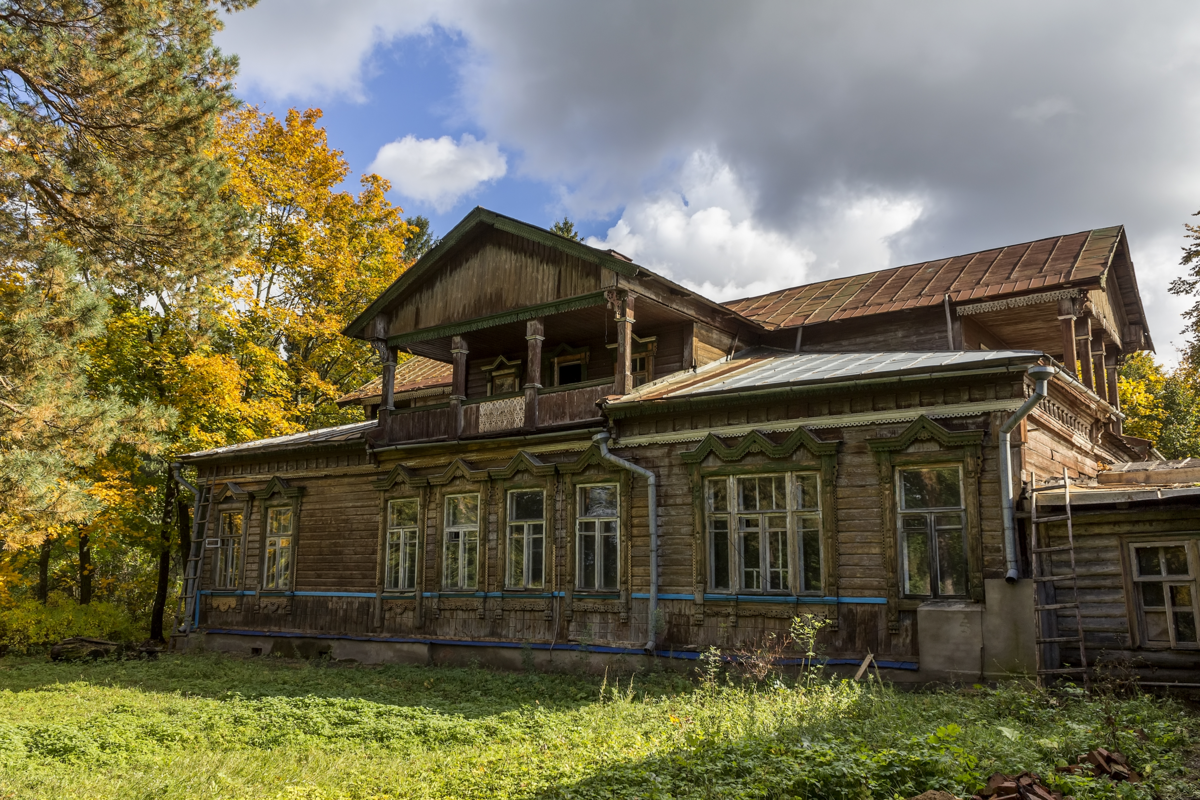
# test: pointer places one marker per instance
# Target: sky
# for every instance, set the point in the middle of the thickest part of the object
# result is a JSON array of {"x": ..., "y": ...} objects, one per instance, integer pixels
[{"x": 744, "y": 147}]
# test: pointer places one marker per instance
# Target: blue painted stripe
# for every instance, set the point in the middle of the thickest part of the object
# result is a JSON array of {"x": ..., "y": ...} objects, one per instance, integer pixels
[
  {"x": 334, "y": 594},
  {"x": 875, "y": 601},
  {"x": 756, "y": 598},
  {"x": 646, "y": 596},
  {"x": 680, "y": 654},
  {"x": 230, "y": 593}
]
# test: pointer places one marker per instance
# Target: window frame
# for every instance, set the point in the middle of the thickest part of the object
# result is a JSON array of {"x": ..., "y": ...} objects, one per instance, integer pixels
[
  {"x": 794, "y": 548},
  {"x": 220, "y": 576},
  {"x": 275, "y": 574},
  {"x": 1191, "y": 544},
  {"x": 931, "y": 531},
  {"x": 526, "y": 584},
  {"x": 402, "y": 532},
  {"x": 503, "y": 368},
  {"x": 462, "y": 585},
  {"x": 578, "y": 489}
]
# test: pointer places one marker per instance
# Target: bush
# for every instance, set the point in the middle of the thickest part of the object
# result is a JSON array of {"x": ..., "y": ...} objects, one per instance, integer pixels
[{"x": 29, "y": 625}]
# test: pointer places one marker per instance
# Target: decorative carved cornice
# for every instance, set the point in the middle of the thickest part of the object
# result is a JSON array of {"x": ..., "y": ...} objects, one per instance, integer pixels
[{"x": 757, "y": 442}]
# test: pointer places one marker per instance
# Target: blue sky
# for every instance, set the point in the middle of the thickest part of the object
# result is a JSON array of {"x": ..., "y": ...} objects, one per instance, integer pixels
[{"x": 741, "y": 148}]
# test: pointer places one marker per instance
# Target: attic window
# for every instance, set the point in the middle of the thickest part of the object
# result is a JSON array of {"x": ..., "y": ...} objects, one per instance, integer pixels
[
  {"x": 504, "y": 376},
  {"x": 569, "y": 364}
]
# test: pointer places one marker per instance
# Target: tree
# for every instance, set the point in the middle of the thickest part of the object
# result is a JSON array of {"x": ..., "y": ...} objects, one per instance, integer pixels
[
  {"x": 1162, "y": 405},
  {"x": 564, "y": 227},
  {"x": 420, "y": 238},
  {"x": 107, "y": 189}
]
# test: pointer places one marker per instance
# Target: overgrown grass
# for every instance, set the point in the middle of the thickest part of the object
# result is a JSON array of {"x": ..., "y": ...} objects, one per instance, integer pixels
[{"x": 218, "y": 727}]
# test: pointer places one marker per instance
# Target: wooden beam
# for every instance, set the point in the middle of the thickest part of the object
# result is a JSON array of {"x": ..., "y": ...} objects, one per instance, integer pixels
[
  {"x": 458, "y": 382},
  {"x": 1098, "y": 371},
  {"x": 1113, "y": 369},
  {"x": 535, "y": 330},
  {"x": 1083, "y": 342},
  {"x": 1066, "y": 315},
  {"x": 623, "y": 302}
]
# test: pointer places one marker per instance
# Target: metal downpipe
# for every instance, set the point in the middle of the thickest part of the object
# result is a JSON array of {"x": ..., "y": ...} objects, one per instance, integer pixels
[
  {"x": 1041, "y": 373},
  {"x": 601, "y": 440}
]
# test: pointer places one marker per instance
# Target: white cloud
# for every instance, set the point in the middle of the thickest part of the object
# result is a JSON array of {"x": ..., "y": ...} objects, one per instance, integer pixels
[
  {"x": 439, "y": 171},
  {"x": 703, "y": 234},
  {"x": 1044, "y": 110}
]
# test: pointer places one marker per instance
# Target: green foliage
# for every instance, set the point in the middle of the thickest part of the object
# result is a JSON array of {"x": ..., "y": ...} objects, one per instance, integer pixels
[
  {"x": 1162, "y": 405},
  {"x": 564, "y": 227},
  {"x": 220, "y": 727},
  {"x": 29, "y": 625},
  {"x": 420, "y": 237}
]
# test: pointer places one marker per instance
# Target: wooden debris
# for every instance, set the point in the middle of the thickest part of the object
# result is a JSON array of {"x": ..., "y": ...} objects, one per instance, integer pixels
[
  {"x": 1112, "y": 764},
  {"x": 78, "y": 648},
  {"x": 1026, "y": 786}
]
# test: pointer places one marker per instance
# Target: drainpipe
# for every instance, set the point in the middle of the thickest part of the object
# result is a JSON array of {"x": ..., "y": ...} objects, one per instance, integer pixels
[
  {"x": 182, "y": 481},
  {"x": 1041, "y": 374},
  {"x": 601, "y": 440}
]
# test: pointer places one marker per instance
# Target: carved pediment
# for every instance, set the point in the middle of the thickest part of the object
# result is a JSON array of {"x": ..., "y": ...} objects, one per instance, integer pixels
[{"x": 757, "y": 442}]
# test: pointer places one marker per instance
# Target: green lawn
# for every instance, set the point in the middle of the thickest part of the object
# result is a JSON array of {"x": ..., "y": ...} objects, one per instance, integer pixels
[{"x": 216, "y": 727}]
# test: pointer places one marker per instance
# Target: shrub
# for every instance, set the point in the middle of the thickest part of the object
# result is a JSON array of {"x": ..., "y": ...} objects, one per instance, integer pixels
[{"x": 29, "y": 625}]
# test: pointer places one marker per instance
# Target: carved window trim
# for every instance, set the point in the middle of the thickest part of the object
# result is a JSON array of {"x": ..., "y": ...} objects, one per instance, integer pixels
[
  {"x": 278, "y": 494},
  {"x": 503, "y": 368},
  {"x": 229, "y": 500}
]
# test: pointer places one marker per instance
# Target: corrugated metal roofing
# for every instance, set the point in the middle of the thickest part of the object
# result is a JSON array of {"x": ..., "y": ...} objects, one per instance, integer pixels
[
  {"x": 762, "y": 367},
  {"x": 1033, "y": 266},
  {"x": 340, "y": 433},
  {"x": 413, "y": 373}
]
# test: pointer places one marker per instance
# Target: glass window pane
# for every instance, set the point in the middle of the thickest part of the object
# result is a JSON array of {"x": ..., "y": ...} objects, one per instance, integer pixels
[
  {"x": 526, "y": 505},
  {"x": 1147, "y": 561},
  {"x": 915, "y": 540},
  {"x": 1181, "y": 595},
  {"x": 608, "y": 526},
  {"x": 470, "y": 559},
  {"x": 516, "y": 555},
  {"x": 718, "y": 494},
  {"x": 749, "y": 539},
  {"x": 1152, "y": 595},
  {"x": 930, "y": 488},
  {"x": 777, "y": 492},
  {"x": 718, "y": 527},
  {"x": 231, "y": 524},
  {"x": 599, "y": 501},
  {"x": 1185, "y": 627},
  {"x": 777, "y": 560},
  {"x": 807, "y": 496},
  {"x": 392, "y": 565},
  {"x": 951, "y": 555},
  {"x": 450, "y": 574},
  {"x": 747, "y": 494},
  {"x": 1176, "y": 558},
  {"x": 279, "y": 521},
  {"x": 462, "y": 510},
  {"x": 285, "y": 563},
  {"x": 610, "y": 562},
  {"x": 410, "y": 561},
  {"x": 1156, "y": 627},
  {"x": 536, "y": 540},
  {"x": 402, "y": 513},
  {"x": 587, "y": 561},
  {"x": 810, "y": 544}
]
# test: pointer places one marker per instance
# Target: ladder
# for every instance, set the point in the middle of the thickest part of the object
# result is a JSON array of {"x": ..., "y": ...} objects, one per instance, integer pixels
[
  {"x": 1042, "y": 557},
  {"x": 186, "y": 616}
]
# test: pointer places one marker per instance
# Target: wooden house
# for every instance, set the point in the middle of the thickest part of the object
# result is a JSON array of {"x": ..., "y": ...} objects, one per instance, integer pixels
[{"x": 570, "y": 456}]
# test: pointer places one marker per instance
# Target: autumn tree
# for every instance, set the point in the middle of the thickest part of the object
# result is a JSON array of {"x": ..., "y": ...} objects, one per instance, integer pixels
[{"x": 106, "y": 190}]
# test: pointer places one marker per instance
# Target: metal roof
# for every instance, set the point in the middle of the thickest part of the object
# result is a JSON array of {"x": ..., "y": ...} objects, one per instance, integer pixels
[
  {"x": 414, "y": 373},
  {"x": 1031, "y": 266},
  {"x": 761, "y": 367},
  {"x": 340, "y": 433}
]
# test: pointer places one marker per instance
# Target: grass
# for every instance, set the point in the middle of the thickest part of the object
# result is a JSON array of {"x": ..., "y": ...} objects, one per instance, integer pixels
[{"x": 210, "y": 726}]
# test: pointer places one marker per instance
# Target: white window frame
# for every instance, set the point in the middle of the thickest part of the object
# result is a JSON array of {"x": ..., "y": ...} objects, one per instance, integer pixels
[
  {"x": 799, "y": 521},
  {"x": 581, "y": 522},
  {"x": 227, "y": 561},
  {"x": 465, "y": 539},
  {"x": 1192, "y": 550},
  {"x": 932, "y": 514},
  {"x": 532, "y": 533},
  {"x": 279, "y": 551},
  {"x": 404, "y": 541}
]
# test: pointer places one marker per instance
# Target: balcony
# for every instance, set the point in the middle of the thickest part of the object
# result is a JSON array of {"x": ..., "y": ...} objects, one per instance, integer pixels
[{"x": 557, "y": 407}]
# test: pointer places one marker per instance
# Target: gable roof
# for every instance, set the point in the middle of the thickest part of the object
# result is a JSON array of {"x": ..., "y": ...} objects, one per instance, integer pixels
[
  {"x": 1045, "y": 264},
  {"x": 413, "y": 373}
]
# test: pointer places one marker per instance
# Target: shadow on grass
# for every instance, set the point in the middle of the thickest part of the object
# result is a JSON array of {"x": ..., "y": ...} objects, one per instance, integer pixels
[{"x": 466, "y": 691}]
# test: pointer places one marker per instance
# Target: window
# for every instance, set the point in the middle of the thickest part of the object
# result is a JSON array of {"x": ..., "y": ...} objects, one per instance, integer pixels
[
  {"x": 640, "y": 369},
  {"x": 758, "y": 527},
  {"x": 400, "y": 559},
  {"x": 932, "y": 539},
  {"x": 597, "y": 528},
  {"x": 460, "y": 568},
  {"x": 228, "y": 567},
  {"x": 567, "y": 372},
  {"x": 1165, "y": 582},
  {"x": 277, "y": 567},
  {"x": 526, "y": 539},
  {"x": 504, "y": 376}
]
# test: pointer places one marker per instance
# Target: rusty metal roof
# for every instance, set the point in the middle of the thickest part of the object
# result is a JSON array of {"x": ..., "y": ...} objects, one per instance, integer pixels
[
  {"x": 341, "y": 433},
  {"x": 763, "y": 367},
  {"x": 412, "y": 374},
  {"x": 1033, "y": 266}
]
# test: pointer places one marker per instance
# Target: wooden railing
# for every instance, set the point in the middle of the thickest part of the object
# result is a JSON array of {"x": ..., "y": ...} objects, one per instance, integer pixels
[
  {"x": 419, "y": 423},
  {"x": 564, "y": 404}
]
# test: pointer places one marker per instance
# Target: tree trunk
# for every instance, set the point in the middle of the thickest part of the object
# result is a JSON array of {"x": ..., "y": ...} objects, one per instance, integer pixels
[
  {"x": 164, "y": 561},
  {"x": 85, "y": 569},
  {"x": 44, "y": 569}
]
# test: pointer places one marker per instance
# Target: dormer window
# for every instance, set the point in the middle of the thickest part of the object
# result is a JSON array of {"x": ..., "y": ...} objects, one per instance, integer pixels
[
  {"x": 568, "y": 364},
  {"x": 504, "y": 376}
]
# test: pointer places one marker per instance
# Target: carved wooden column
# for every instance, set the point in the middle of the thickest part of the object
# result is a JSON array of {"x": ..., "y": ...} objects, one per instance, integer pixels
[
  {"x": 624, "y": 367},
  {"x": 1112, "y": 369},
  {"x": 458, "y": 383},
  {"x": 1098, "y": 364},
  {"x": 1066, "y": 315},
  {"x": 535, "y": 331},
  {"x": 1083, "y": 345}
]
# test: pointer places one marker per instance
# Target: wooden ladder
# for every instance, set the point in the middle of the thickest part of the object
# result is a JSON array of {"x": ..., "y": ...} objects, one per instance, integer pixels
[
  {"x": 186, "y": 617},
  {"x": 1042, "y": 558}
]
